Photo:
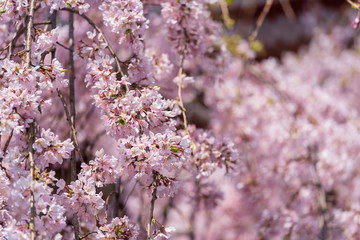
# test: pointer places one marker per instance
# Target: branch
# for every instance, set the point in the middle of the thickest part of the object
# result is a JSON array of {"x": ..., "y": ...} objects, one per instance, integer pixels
[
  {"x": 63, "y": 46},
  {"x": 324, "y": 212},
  {"x": 127, "y": 198},
  {"x": 261, "y": 19},
  {"x": 31, "y": 130},
  {"x": 107, "y": 206},
  {"x": 86, "y": 235},
  {"x": 225, "y": 14},
  {"x": 71, "y": 116},
  {"x": 152, "y": 206},
  {"x": 6, "y": 145},
  {"x": 181, "y": 103},
  {"x": 288, "y": 10},
  {"x": 117, "y": 197},
  {"x": 68, "y": 118},
  {"x": 108, "y": 46}
]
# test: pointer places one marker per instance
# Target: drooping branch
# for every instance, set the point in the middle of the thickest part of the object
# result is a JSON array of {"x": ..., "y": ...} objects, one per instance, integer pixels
[
  {"x": 325, "y": 232},
  {"x": 288, "y": 10},
  {"x": 108, "y": 46},
  {"x": 73, "y": 115},
  {"x": 31, "y": 130},
  {"x": 6, "y": 145},
  {"x": 261, "y": 19},
  {"x": 180, "y": 73},
  {"x": 225, "y": 14},
  {"x": 152, "y": 205},
  {"x": 117, "y": 197},
  {"x": 68, "y": 118}
]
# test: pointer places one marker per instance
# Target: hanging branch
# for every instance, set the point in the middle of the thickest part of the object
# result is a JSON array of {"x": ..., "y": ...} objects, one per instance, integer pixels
[
  {"x": 31, "y": 130},
  {"x": 6, "y": 144},
  {"x": 117, "y": 197},
  {"x": 68, "y": 118},
  {"x": 225, "y": 14},
  {"x": 181, "y": 69},
  {"x": 325, "y": 233},
  {"x": 72, "y": 116},
  {"x": 152, "y": 205},
  {"x": 108, "y": 46},
  {"x": 288, "y": 10},
  {"x": 261, "y": 19}
]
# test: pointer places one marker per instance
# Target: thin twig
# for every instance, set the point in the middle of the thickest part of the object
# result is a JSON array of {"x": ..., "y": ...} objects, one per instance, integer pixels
[
  {"x": 86, "y": 235},
  {"x": 68, "y": 117},
  {"x": 288, "y": 10},
  {"x": 6, "y": 145},
  {"x": 261, "y": 19},
  {"x": 108, "y": 46},
  {"x": 225, "y": 14},
  {"x": 181, "y": 103},
  {"x": 152, "y": 205},
  {"x": 19, "y": 31},
  {"x": 63, "y": 46},
  {"x": 127, "y": 198},
  {"x": 354, "y": 5}
]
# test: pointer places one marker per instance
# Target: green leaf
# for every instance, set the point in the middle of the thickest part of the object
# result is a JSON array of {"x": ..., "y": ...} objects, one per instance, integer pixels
[
  {"x": 257, "y": 46},
  {"x": 121, "y": 121},
  {"x": 3, "y": 11},
  {"x": 17, "y": 69},
  {"x": 229, "y": 2},
  {"x": 174, "y": 149},
  {"x": 68, "y": 3},
  {"x": 128, "y": 31},
  {"x": 118, "y": 230},
  {"x": 355, "y": 6}
]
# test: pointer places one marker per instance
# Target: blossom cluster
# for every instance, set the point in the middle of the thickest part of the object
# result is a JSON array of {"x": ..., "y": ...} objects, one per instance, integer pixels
[{"x": 98, "y": 124}]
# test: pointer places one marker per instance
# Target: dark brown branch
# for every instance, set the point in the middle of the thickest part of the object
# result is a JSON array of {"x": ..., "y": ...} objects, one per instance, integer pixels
[
  {"x": 63, "y": 46},
  {"x": 117, "y": 197},
  {"x": 325, "y": 232},
  {"x": 19, "y": 31},
  {"x": 68, "y": 118},
  {"x": 6, "y": 145},
  {"x": 127, "y": 198},
  {"x": 86, "y": 235},
  {"x": 73, "y": 115},
  {"x": 31, "y": 130},
  {"x": 152, "y": 205},
  {"x": 107, "y": 205}
]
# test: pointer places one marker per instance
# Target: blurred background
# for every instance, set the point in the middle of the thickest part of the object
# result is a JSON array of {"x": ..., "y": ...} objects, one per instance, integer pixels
[{"x": 289, "y": 23}]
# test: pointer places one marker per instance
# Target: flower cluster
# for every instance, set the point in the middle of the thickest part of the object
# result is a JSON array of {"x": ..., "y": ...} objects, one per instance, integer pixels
[
  {"x": 119, "y": 228},
  {"x": 126, "y": 19},
  {"x": 81, "y": 5},
  {"x": 50, "y": 150},
  {"x": 92, "y": 162}
]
